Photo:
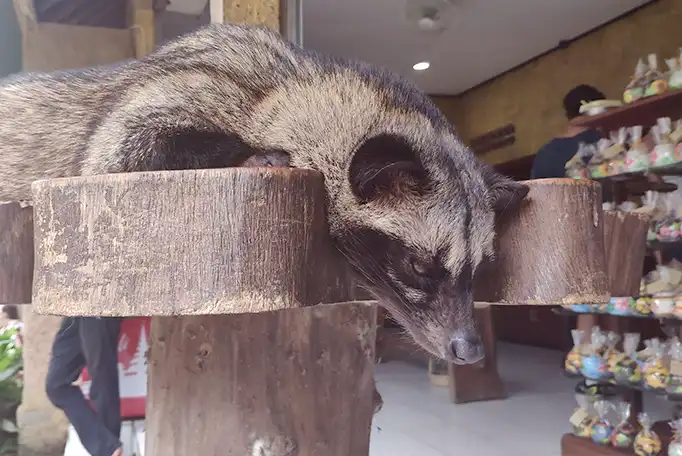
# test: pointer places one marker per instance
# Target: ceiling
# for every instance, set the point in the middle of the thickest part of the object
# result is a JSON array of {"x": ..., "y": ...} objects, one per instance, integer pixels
[{"x": 482, "y": 38}]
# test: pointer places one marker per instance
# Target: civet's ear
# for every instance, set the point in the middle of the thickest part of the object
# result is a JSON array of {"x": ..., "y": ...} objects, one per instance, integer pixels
[
  {"x": 505, "y": 194},
  {"x": 385, "y": 166}
]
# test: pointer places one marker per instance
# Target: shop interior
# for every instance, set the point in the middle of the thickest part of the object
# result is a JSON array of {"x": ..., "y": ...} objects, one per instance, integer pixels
[{"x": 499, "y": 70}]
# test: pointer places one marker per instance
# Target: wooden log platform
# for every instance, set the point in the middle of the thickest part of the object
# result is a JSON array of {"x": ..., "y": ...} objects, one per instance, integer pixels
[
  {"x": 551, "y": 251},
  {"x": 232, "y": 265},
  {"x": 206, "y": 242},
  {"x": 16, "y": 252}
]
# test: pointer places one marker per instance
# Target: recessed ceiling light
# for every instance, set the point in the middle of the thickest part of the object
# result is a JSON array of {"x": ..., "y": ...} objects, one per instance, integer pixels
[{"x": 421, "y": 66}]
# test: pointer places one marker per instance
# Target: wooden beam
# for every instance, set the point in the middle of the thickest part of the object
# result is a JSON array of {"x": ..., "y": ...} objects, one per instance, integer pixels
[
  {"x": 257, "y": 12},
  {"x": 143, "y": 27}
]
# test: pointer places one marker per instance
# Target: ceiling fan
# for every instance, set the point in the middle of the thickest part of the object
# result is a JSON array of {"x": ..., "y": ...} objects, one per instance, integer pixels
[{"x": 429, "y": 16}]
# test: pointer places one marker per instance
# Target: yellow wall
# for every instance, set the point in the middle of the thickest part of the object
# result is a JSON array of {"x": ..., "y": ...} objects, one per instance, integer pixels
[{"x": 531, "y": 96}]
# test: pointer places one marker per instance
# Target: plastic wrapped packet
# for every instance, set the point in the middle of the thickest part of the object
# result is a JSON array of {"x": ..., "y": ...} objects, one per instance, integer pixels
[
  {"x": 675, "y": 384},
  {"x": 627, "y": 369},
  {"x": 643, "y": 305},
  {"x": 574, "y": 358},
  {"x": 676, "y": 139},
  {"x": 675, "y": 446},
  {"x": 607, "y": 153},
  {"x": 663, "y": 153},
  {"x": 635, "y": 88},
  {"x": 657, "y": 83},
  {"x": 668, "y": 227},
  {"x": 594, "y": 366},
  {"x": 621, "y": 305},
  {"x": 582, "y": 418},
  {"x": 675, "y": 67},
  {"x": 602, "y": 428},
  {"x": 647, "y": 442},
  {"x": 616, "y": 152},
  {"x": 637, "y": 157},
  {"x": 576, "y": 167},
  {"x": 612, "y": 355},
  {"x": 624, "y": 433},
  {"x": 655, "y": 370},
  {"x": 596, "y": 164}
]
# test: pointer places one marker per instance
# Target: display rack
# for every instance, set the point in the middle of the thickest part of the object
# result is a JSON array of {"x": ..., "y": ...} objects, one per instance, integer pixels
[{"x": 644, "y": 112}]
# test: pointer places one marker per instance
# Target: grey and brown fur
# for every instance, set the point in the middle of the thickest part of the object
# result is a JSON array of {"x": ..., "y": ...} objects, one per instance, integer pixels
[{"x": 409, "y": 205}]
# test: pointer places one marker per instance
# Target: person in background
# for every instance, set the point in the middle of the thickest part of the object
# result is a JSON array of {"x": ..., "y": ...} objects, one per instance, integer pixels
[
  {"x": 552, "y": 157},
  {"x": 91, "y": 341}
]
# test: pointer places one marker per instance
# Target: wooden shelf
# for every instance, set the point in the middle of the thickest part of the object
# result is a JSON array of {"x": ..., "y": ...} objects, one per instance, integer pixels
[
  {"x": 569, "y": 313},
  {"x": 643, "y": 112}
]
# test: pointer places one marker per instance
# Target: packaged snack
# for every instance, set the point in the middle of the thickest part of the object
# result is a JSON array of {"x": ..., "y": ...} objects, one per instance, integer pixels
[
  {"x": 676, "y": 138},
  {"x": 664, "y": 304},
  {"x": 635, "y": 89},
  {"x": 675, "y": 66},
  {"x": 647, "y": 442},
  {"x": 597, "y": 166},
  {"x": 663, "y": 153},
  {"x": 655, "y": 370},
  {"x": 602, "y": 428},
  {"x": 668, "y": 227},
  {"x": 643, "y": 305},
  {"x": 612, "y": 355},
  {"x": 621, "y": 305},
  {"x": 582, "y": 418},
  {"x": 657, "y": 83},
  {"x": 574, "y": 358},
  {"x": 624, "y": 433},
  {"x": 628, "y": 370},
  {"x": 675, "y": 446},
  {"x": 615, "y": 154},
  {"x": 637, "y": 157},
  {"x": 677, "y": 313},
  {"x": 576, "y": 167},
  {"x": 594, "y": 365},
  {"x": 675, "y": 384}
]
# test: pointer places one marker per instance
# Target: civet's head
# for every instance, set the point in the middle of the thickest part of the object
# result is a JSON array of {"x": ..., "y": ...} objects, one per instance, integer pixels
[{"x": 419, "y": 220}]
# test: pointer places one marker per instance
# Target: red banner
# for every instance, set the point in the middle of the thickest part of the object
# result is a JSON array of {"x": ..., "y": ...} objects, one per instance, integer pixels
[{"x": 132, "y": 367}]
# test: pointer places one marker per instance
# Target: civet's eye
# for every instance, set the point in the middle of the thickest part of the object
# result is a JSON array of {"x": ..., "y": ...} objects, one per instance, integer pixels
[{"x": 420, "y": 268}]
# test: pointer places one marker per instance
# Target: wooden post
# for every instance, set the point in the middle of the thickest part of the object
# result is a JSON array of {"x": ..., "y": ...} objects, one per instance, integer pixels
[
  {"x": 245, "y": 252},
  {"x": 16, "y": 253},
  {"x": 480, "y": 381},
  {"x": 143, "y": 27}
]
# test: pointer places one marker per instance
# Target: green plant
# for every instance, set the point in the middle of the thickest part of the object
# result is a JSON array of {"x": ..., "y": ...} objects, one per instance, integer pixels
[{"x": 11, "y": 364}]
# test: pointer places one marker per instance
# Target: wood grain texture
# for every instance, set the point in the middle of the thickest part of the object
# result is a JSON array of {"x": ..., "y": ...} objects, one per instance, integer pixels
[
  {"x": 201, "y": 242},
  {"x": 480, "y": 381},
  {"x": 551, "y": 251},
  {"x": 16, "y": 253},
  {"x": 298, "y": 381},
  {"x": 625, "y": 246}
]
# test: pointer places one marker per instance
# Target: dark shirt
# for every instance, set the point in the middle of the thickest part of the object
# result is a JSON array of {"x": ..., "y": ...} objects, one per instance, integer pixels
[{"x": 552, "y": 157}]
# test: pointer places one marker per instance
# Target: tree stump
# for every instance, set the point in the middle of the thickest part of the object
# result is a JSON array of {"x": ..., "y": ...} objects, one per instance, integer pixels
[
  {"x": 231, "y": 264},
  {"x": 16, "y": 253},
  {"x": 551, "y": 251}
]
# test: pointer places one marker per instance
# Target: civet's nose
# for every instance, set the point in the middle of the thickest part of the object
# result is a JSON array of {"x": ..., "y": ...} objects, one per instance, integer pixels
[{"x": 465, "y": 349}]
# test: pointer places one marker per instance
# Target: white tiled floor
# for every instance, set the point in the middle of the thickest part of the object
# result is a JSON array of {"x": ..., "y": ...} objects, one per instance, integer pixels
[{"x": 419, "y": 420}]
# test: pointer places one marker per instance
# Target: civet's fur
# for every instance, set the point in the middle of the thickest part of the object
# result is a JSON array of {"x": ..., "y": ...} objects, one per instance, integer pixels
[{"x": 409, "y": 204}]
